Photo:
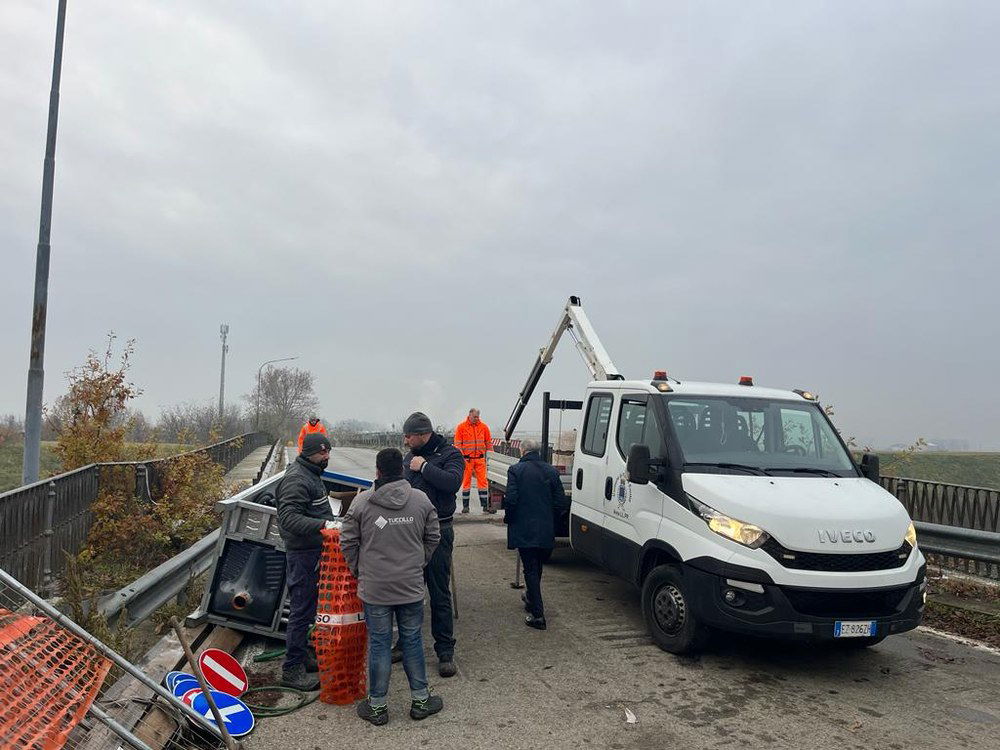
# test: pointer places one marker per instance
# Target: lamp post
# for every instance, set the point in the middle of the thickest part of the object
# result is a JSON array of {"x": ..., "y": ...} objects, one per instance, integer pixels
[
  {"x": 259, "y": 370},
  {"x": 36, "y": 370}
]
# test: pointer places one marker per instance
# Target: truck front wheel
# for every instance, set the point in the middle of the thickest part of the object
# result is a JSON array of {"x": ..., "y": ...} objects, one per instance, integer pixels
[{"x": 666, "y": 608}]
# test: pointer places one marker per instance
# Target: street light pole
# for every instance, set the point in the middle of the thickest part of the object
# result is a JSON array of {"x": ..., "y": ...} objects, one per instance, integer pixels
[
  {"x": 224, "y": 333},
  {"x": 36, "y": 359},
  {"x": 259, "y": 369}
]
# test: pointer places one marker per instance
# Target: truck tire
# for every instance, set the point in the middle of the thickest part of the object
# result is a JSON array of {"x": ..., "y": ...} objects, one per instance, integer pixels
[{"x": 666, "y": 608}]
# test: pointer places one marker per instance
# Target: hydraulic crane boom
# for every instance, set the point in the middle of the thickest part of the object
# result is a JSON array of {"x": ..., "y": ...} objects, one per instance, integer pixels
[{"x": 574, "y": 320}]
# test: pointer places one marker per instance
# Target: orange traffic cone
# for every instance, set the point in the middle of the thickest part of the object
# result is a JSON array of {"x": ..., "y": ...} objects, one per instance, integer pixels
[{"x": 340, "y": 635}]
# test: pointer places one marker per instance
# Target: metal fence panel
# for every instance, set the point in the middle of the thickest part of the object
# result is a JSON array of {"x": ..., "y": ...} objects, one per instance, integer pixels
[{"x": 42, "y": 523}]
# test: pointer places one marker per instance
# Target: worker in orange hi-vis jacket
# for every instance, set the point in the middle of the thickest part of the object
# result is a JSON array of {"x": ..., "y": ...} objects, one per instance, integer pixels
[
  {"x": 313, "y": 425},
  {"x": 472, "y": 438}
]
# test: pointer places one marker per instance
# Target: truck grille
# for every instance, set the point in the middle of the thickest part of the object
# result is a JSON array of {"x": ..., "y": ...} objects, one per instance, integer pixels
[
  {"x": 837, "y": 563},
  {"x": 847, "y": 603}
]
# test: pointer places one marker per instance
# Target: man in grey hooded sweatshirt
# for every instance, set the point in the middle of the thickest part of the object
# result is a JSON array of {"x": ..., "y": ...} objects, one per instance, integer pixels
[{"x": 388, "y": 535}]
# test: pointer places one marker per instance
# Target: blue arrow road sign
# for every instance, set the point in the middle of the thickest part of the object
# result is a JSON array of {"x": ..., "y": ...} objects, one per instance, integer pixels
[{"x": 238, "y": 719}]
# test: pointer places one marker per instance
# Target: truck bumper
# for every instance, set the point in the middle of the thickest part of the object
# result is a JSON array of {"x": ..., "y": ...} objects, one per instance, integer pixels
[{"x": 793, "y": 612}]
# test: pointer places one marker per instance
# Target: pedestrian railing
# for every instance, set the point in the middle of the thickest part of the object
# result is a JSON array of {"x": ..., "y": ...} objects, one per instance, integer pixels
[{"x": 41, "y": 523}]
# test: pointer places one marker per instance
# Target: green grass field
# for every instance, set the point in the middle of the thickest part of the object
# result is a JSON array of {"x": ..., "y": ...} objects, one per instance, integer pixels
[
  {"x": 972, "y": 469},
  {"x": 12, "y": 455}
]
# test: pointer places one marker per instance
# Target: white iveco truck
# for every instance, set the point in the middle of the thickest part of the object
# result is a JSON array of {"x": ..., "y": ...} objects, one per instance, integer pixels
[{"x": 732, "y": 507}]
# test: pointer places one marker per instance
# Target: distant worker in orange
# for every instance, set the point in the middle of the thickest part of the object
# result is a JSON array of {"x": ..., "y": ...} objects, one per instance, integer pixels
[
  {"x": 472, "y": 438},
  {"x": 313, "y": 425}
]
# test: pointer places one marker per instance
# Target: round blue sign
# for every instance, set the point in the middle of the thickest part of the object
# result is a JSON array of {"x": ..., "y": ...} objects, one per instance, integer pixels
[
  {"x": 237, "y": 717},
  {"x": 172, "y": 677},
  {"x": 183, "y": 684}
]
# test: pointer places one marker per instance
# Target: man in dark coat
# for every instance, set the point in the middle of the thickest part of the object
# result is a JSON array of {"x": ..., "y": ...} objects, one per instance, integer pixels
[
  {"x": 303, "y": 510},
  {"x": 435, "y": 466},
  {"x": 534, "y": 494}
]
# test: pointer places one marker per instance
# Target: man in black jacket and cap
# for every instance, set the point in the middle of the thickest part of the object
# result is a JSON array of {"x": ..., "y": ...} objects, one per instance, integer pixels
[
  {"x": 435, "y": 466},
  {"x": 534, "y": 494},
  {"x": 303, "y": 510}
]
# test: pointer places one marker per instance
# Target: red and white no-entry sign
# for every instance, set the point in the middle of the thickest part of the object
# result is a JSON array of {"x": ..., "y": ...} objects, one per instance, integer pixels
[{"x": 223, "y": 672}]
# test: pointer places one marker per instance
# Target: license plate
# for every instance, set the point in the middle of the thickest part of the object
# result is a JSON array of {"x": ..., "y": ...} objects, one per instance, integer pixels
[{"x": 847, "y": 629}]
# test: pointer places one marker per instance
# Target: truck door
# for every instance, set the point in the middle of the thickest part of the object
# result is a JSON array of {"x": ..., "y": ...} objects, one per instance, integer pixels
[
  {"x": 633, "y": 513},
  {"x": 589, "y": 474}
]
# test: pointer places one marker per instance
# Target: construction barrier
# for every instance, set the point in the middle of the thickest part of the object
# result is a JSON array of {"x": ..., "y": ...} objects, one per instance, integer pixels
[
  {"x": 340, "y": 635},
  {"x": 48, "y": 680}
]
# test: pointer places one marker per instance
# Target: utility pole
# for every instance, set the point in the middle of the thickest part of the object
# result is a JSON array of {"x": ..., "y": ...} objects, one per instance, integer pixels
[
  {"x": 36, "y": 359},
  {"x": 224, "y": 332}
]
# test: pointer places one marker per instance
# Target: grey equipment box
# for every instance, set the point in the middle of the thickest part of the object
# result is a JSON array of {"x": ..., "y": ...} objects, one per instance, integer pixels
[{"x": 246, "y": 589}]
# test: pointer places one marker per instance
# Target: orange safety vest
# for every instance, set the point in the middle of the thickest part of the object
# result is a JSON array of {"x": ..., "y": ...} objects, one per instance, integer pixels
[
  {"x": 473, "y": 440},
  {"x": 308, "y": 429}
]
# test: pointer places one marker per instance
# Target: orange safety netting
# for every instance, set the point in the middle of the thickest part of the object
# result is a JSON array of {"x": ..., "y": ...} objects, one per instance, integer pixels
[
  {"x": 340, "y": 635},
  {"x": 48, "y": 680}
]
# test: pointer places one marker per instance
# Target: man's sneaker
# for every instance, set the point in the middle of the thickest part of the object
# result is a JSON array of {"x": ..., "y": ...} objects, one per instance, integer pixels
[
  {"x": 538, "y": 623},
  {"x": 310, "y": 663},
  {"x": 427, "y": 707},
  {"x": 446, "y": 668},
  {"x": 397, "y": 654},
  {"x": 377, "y": 715},
  {"x": 465, "y": 509},
  {"x": 296, "y": 677}
]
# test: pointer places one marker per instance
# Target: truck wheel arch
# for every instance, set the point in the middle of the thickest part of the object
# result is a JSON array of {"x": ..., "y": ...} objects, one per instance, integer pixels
[{"x": 655, "y": 553}]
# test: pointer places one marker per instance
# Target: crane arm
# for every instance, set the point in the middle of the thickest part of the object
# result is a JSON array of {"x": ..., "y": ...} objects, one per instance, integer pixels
[{"x": 587, "y": 341}]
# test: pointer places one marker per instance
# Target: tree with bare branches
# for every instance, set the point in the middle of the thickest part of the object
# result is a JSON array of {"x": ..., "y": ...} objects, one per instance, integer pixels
[{"x": 285, "y": 400}]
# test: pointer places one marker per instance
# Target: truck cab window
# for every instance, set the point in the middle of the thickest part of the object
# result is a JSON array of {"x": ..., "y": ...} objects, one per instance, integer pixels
[
  {"x": 637, "y": 425},
  {"x": 595, "y": 434}
]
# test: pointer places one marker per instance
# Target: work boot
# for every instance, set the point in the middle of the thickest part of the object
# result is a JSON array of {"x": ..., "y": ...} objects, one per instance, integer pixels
[
  {"x": 296, "y": 677},
  {"x": 538, "y": 623},
  {"x": 427, "y": 707},
  {"x": 310, "y": 663},
  {"x": 378, "y": 716},
  {"x": 446, "y": 668},
  {"x": 397, "y": 654}
]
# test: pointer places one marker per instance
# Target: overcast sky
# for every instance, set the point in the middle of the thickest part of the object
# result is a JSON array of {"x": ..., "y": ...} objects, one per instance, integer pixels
[{"x": 404, "y": 194}]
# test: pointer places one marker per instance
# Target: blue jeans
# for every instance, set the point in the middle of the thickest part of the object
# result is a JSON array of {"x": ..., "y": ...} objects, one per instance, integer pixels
[{"x": 409, "y": 619}]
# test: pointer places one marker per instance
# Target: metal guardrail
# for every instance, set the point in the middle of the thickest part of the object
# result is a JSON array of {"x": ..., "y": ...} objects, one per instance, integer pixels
[
  {"x": 41, "y": 523},
  {"x": 152, "y": 590},
  {"x": 954, "y": 541},
  {"x": 267, "y": 465}
]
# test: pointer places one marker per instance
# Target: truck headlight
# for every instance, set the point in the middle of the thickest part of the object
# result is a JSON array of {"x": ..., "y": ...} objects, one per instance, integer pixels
[
  {"x": 911, "y": 535},
  {"x": 747, "y": 534}
]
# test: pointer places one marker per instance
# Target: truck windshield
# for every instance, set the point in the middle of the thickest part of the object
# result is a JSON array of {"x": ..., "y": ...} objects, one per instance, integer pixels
[{"x": 718, "y": 434}]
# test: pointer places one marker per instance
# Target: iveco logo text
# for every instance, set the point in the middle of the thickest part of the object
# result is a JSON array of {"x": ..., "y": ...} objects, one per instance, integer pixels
[{"x": 846, "y": 536}]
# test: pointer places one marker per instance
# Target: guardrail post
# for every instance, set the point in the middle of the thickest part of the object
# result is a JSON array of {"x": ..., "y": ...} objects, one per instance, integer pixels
[
  {"x": 142, "y": 483},
  {"x": 50, "y": 507}
]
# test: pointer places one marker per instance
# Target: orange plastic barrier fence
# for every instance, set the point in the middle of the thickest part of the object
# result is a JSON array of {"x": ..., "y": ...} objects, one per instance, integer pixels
[
  {"x": 48, "y": 680},
  {"x": 340, "y": 635}
]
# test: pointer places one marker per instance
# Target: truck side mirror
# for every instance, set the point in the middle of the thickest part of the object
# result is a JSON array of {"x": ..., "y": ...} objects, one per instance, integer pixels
[
  {"x": 870, "y": 466},
  {"x": 638, "y": 464}
]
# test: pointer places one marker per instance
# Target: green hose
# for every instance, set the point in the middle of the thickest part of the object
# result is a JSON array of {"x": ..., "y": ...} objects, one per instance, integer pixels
[
  {"x": 264, "y": 712},
  {"x": 269, "y": 655}
]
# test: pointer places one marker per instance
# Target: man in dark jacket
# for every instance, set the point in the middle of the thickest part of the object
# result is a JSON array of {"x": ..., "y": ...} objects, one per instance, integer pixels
[
  {"x": 534, "y": 494},
  {"x": 303, "y": 510},
  {"x": 389, "y": 535},
  {"x": 435, "y": 466}
]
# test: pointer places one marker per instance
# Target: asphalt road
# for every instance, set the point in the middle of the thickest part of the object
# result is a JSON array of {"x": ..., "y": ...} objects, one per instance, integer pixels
[{"x": 570, "y": 686}]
